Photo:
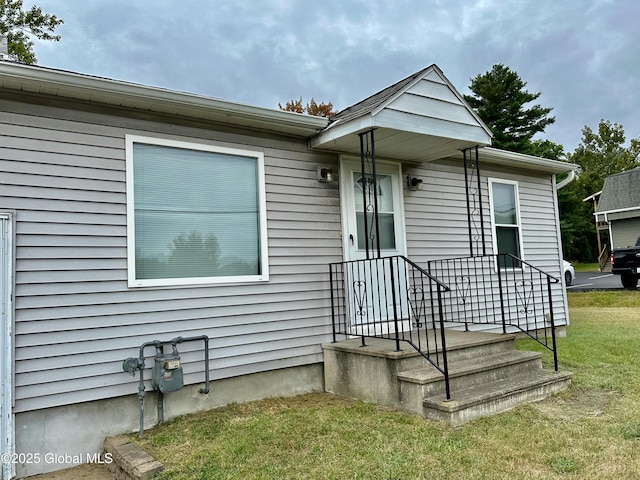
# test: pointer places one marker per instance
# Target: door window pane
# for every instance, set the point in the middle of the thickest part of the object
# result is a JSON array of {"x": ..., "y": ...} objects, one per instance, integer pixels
[
  {"x": 384, "y": 189},
  {"x": 387, "y": 231}
]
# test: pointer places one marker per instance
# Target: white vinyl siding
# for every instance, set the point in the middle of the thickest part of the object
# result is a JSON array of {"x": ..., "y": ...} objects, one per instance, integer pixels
[
  {"x": 76, "y": 319},
  {"x": 196, "y": 214}
]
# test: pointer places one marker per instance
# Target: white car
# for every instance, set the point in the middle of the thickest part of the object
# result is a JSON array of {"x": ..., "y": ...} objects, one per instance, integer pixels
[{"x": 569, "y": 273}]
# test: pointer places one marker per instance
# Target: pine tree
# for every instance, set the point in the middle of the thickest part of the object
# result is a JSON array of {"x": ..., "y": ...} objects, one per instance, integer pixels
[{"x": 499, "y": 97}]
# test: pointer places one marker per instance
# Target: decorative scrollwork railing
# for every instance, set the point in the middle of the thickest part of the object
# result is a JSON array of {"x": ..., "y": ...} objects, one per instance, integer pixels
[
  {"x": 395, "y": 299},
  {"x": 391, "y": 298},
  {"x": 500, "y": 290}
]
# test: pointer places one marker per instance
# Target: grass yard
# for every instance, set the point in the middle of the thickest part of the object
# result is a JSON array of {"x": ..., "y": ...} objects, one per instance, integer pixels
[
  {"x": 585, "y": 267},
  {"x": 591, "y": 431}
]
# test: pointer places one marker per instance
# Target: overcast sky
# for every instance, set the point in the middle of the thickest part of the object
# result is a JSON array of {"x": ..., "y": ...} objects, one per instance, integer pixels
[{"x": 583, "y": 55}]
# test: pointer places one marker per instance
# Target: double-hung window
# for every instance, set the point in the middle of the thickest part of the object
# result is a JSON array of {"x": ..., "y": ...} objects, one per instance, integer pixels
[
  {"x": 195, "y": 213},
  {"x": 505, "y": 219}
]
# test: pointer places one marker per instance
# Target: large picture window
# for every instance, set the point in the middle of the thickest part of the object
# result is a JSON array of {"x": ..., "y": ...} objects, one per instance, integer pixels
[
  {"x": 505, "y": 217},
  {"x": 196, "y": 214}
]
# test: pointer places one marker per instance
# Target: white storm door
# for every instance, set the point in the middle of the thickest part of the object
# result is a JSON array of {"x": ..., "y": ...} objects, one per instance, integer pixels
[
  {"x": 7, "y": 446},
  {"x": 376, "y": 288}
]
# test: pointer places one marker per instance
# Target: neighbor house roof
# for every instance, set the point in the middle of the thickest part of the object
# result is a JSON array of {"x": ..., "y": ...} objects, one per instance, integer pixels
[{"x": 621, "y": 192}]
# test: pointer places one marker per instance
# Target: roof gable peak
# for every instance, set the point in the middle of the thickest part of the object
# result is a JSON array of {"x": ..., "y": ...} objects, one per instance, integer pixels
[{"x": 376, "y": 103}]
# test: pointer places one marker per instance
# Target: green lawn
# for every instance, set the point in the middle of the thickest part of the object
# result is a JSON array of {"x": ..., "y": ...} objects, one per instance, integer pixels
[
  {"x": 591, "y": 431},
  {"x": 586, "y": 267}
]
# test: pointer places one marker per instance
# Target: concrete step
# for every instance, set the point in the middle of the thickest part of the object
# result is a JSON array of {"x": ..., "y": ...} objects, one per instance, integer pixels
[
  {"x": 130, "y": 462},
  {"x": 495, "y": 397},
  {"x": 369, "y": 373},
  {"x": 428, "y": 381},
  {"x": 487, "y": 375}
]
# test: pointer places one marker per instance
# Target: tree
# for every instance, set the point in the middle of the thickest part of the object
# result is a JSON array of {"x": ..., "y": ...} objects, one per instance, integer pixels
[
  {"x": 312, "y": 108},
  {"x": 195, "y": 255},
  {"x": 499, "y": 97},
  {"x": 17, "y": 25},
  {"x": 603, "y": 153},
  {"x": 599, "y": 154}
]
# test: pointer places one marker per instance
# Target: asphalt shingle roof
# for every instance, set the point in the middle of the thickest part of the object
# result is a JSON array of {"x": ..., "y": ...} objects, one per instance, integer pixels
[
  {"x": 620, "y": 191},
  {"x": 374, "y": 101}
]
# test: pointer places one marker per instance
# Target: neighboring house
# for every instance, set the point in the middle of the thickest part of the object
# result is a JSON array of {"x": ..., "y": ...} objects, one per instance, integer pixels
[
  {"x": 132, "y": 213},
  {"x": 617, "y": 212}
]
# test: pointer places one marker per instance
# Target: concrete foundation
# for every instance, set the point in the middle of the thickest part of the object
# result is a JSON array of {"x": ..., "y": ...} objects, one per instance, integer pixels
[{"x": 70, "y": 435}]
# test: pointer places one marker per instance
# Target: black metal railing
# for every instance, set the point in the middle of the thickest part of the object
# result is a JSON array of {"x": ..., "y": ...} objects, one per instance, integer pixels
[
  {"x": 500, "y": 290},
  {"x": 391, "y": 298}
]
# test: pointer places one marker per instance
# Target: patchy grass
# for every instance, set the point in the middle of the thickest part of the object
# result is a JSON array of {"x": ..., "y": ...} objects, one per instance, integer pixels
[{"x": 591, "y": 431}]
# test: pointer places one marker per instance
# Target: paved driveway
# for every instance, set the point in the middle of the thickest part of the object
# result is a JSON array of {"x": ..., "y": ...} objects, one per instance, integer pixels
[{"x": 586, "y": 281}]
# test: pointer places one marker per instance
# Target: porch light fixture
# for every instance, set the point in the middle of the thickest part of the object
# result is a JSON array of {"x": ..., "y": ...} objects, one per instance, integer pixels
[
  {"x": 325, "y": 174},
  {"x": 414, "y": 183}
]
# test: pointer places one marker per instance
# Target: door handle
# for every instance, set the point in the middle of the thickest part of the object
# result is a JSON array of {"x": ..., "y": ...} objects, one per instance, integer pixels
[{"x": 351, "y": 238}]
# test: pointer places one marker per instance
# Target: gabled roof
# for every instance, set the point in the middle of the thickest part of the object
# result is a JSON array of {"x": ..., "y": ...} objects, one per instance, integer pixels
[
  {"x": 420, "y": 118},
  {"x": 620, "y": 192},
  {"x": 376, "y": 100}
]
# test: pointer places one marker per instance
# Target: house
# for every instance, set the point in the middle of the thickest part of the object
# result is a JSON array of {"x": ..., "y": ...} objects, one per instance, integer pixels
[
  {"x": 132, "y": 213},
  {"x": 617, "y": 211}
]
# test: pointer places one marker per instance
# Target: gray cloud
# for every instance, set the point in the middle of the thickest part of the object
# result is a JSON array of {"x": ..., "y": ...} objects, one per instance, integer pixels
[{"x": 582, "y": 55}]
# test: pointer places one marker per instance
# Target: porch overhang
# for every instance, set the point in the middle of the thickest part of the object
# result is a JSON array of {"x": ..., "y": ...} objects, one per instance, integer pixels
[
  {"x": 419, "y": 119},
  {"x": 414, "y": 142}
]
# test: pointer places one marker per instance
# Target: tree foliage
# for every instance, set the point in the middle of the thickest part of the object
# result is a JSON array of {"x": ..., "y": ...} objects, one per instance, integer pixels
[
  {"x": 18, "y": 25},
  {"x": 600, "y": 153},
  {"x": 311, "y": 108},
  {"x": 499, "y": 97}
]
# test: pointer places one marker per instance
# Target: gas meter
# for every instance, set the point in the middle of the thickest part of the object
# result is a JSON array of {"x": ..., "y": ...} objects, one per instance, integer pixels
[{"x": 167, "y": 371}]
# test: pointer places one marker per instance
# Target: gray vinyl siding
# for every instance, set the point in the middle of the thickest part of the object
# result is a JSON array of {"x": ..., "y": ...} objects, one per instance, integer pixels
[
  {"x": 436, "y": 218},
  {"x": 624, "y": 232},
  {"x": 76, "y": 319}
]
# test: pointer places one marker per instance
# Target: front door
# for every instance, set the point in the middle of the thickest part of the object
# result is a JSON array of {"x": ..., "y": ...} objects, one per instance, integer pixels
[
  {"x": 374, "y": 285},
  {"x": 6, "y": 346}
]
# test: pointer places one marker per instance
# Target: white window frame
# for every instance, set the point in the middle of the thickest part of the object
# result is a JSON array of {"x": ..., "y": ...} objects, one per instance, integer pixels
[
  {"x": 494, "y": 233},
  {"x": 130, "y": 140}
]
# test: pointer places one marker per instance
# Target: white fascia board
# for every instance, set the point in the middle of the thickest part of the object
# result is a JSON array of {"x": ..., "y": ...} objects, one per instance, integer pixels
[
  {"x": 339, "y": 130},
  {"x": 618, "y": 210},
  {"x": 47, "y": 81},
  {"x": 591, "y": 197}
]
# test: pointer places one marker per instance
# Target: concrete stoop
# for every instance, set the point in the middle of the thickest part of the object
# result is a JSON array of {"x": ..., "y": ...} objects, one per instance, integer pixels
[{"x": 486, "y": 376}]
